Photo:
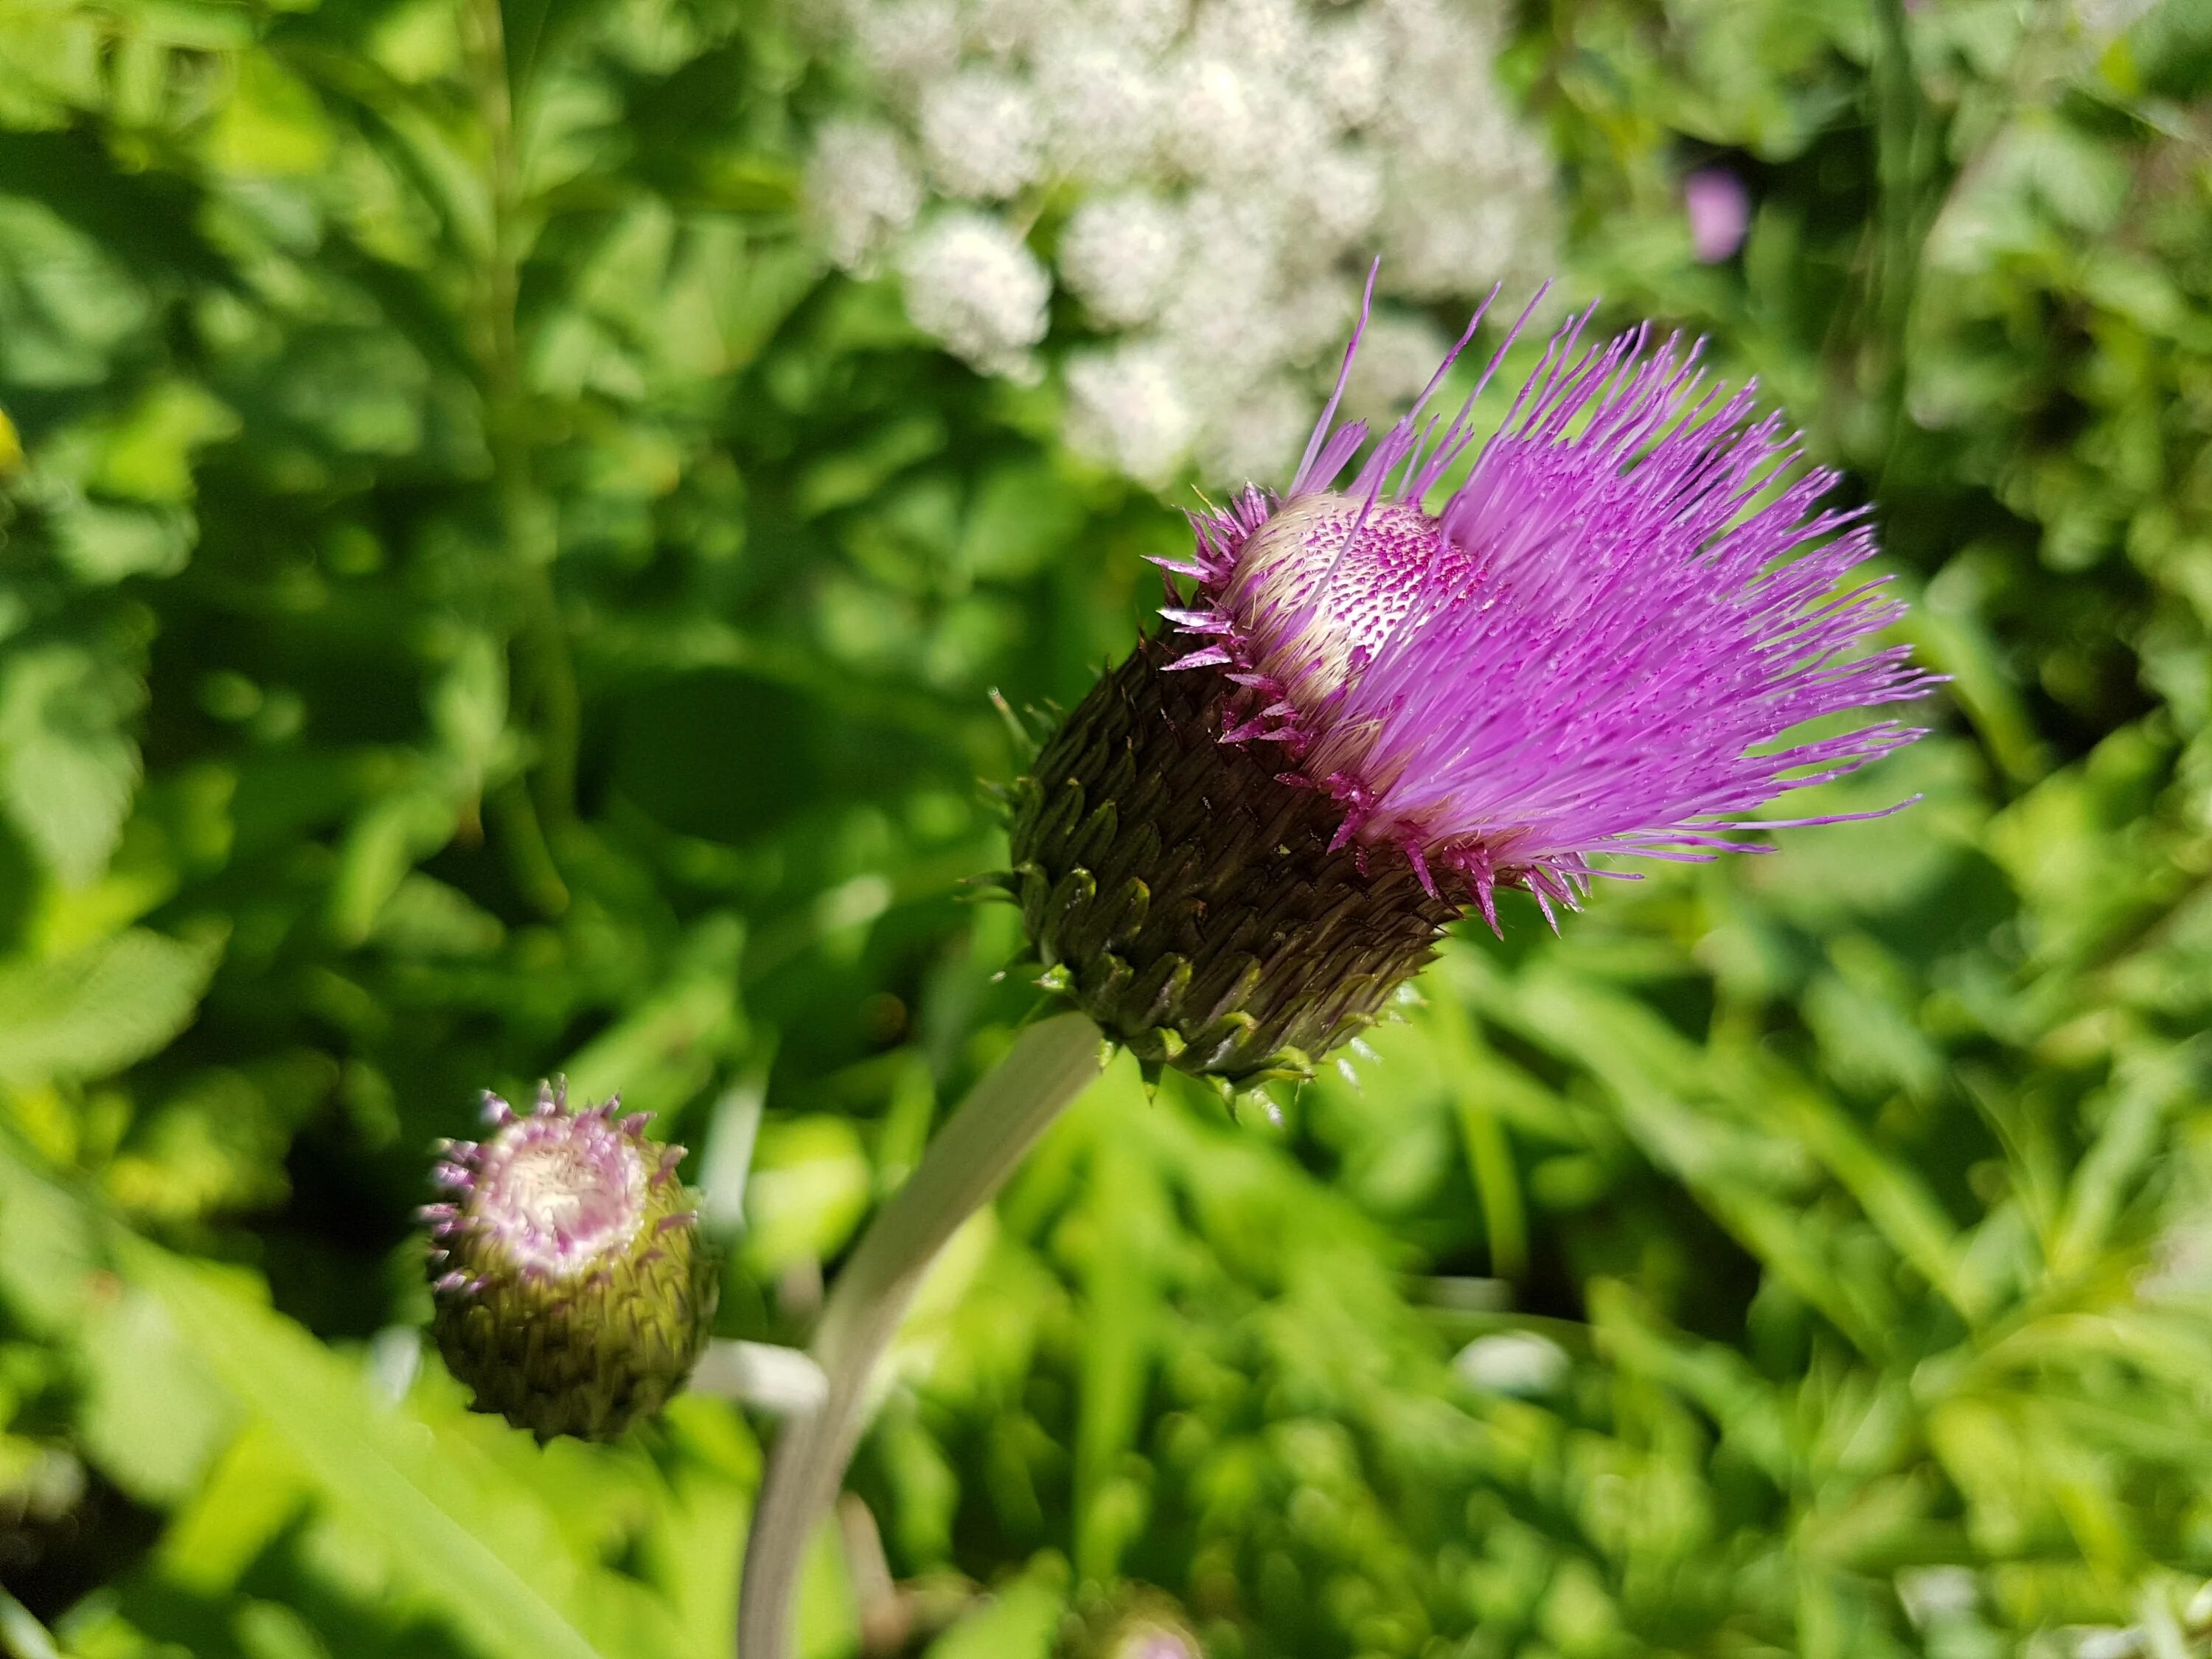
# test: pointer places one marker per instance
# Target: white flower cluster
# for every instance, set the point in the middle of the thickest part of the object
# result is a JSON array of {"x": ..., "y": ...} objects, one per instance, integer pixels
[{"x": 1217, "y": 174}]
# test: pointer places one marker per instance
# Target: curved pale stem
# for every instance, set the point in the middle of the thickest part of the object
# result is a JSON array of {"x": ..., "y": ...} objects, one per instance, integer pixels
[{"x": 1049, "y": 1065}]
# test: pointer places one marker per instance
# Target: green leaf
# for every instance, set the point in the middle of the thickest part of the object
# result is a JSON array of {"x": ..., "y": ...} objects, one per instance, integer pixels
[
  {"x": 103, "y": 542},
  {"x": 67, "y": 770},
  {"x": 1022, "y": 517},
  {"x": 152, "y": 1416},
  {"x": 22, "y": 1634},
  {"x": 379, "y": 852},
  {"x": 148, "y": 454},
  {"x": 272, "y": 124},
  {"x": 47, "y": 1248},
  {"x": 663, "y": 1051},
  {"x": 811, "y": 1185},
  {"x": 66, "y": 303},
  {"x": 99, "y": 1009},
  {"x": 252, "y": 1492},
  {"x": 1019, "y": 1622},
  {"x": 455, "y": 1524}
]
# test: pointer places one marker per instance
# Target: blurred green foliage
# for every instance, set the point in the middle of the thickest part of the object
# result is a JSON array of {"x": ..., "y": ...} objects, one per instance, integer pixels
[{"x": 477, "y": 600}]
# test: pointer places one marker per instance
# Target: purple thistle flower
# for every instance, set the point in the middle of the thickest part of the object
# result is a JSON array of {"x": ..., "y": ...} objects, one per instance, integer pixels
[
  {"x": 1718, "y": 209},
  {"x": 1595, "y": 645},
  {"x": 1603, "y": 642},
  {"x": 571, "y": 1293}
]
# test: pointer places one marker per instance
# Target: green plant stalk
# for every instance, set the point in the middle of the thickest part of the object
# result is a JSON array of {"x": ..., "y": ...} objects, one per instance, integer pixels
[{"x": 1049, "y": 1065}]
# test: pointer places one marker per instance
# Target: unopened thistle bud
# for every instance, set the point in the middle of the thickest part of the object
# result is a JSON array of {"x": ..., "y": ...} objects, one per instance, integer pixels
[
  {"x": 572, "y": 1292},
  {"x": 1239, "y": 844},
  {"x": 1134, "y": 1622}
]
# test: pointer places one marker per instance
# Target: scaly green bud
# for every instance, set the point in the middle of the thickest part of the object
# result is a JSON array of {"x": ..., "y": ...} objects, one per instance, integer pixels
[
  {"x": 572, "y": 1294},
  {"x": 1197, "y": 907},
  {"x": 1134, "y": 1622}
]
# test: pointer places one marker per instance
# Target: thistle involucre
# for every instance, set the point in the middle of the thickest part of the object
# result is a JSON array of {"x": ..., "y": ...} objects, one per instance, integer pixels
[
  {"x": 572, "y": 1292},
  {"x": 1241, "y": 842}
]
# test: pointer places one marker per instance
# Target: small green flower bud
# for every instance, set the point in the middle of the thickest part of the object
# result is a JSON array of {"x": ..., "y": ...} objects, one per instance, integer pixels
[
  {"x": 1131, "y": 1622},
  {"x": 572, "y": 1294}
]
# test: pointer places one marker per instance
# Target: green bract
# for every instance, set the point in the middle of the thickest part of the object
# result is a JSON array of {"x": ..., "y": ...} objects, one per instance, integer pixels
[{"x": 1189, "y": 902}]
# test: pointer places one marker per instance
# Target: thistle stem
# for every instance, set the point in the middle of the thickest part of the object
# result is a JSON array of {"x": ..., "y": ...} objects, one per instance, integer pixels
[{"x": 1049, "y": 1065}]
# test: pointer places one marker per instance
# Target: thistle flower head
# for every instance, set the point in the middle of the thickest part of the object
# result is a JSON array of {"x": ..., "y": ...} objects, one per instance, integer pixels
[
  {"x": 572, "y": 1294},
  {"x": 1597, "y": 643},
  {"x": 1131, "y": 1622},
  {"x": 1602, "y": 641}
]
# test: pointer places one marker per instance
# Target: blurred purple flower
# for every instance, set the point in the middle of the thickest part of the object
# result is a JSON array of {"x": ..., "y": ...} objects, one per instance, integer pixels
[
  {"x": 1597, "y": 645},
  {"x": 1719, "y": 209}
]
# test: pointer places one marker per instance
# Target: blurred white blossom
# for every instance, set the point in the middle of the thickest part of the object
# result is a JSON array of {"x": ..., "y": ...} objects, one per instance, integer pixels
[
  {"x": 1259, "y": 433},
  {"x": 1343, "y": 189},
  {"x": 860, "y": 191},
  {"x": 908, "y": 43},
  {"x": 1149, "y": 26},
  {"x": 1128, "y": 407},
  {"x": 974, "y": 284},
  {"x": 1275, "y": 36},
  {"x": 1211, "y": 176},
  {"x": 980, "y": 134},
  {"x": 1225, "y": 116},
  {"x": 1351, "y": 67},
  {"x": 1107, "y": 106},
  {"x": 1120, "y": 254}
]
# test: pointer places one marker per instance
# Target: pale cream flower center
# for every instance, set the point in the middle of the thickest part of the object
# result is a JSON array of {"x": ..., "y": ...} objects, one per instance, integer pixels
[
  {"x": 1326, "y": 581},
  {"x": 565, "y": 1201}
]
